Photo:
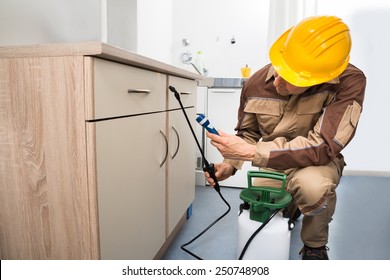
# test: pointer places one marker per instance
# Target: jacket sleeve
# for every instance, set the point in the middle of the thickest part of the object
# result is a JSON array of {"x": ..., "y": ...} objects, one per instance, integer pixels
[
  {"x": 245, "y": 128},
  {"x": 332, "y": 132}
]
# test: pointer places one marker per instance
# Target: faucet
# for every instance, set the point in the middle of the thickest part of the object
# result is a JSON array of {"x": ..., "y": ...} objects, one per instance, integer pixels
[
  {"x": 186, "y": 58},
  {"x": 198, "y": 70}
]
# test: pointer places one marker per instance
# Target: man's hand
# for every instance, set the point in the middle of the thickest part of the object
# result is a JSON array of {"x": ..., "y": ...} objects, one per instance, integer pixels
[
  {"x": 232, "y": 147},
  {"x": 222, "y": 172}
]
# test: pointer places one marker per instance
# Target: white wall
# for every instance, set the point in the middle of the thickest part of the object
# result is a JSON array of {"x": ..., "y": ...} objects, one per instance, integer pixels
[
  {"x": 283, "y": 14},
  {"x": 154, "y": 29},
  {"x": 49, "y": 21},
  {"x": 369, "y": 22},
  {"x": 119, "y": 23},
  {"x": 210, "y": 25},
  {"x": 25, "y": 22}
]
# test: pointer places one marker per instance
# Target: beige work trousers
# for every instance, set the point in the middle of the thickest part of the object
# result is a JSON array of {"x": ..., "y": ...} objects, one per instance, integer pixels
[{"x": 314, "y": 192}]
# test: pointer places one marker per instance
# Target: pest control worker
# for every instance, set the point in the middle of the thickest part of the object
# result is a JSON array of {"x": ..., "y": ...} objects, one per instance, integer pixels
[{"x": 296, "y": 115}]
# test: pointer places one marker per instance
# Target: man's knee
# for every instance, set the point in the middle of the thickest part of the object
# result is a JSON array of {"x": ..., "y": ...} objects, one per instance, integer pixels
[{"x": 311, "y": 190}]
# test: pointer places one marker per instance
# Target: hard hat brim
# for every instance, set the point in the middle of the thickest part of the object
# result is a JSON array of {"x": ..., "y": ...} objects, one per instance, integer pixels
[{"x": 290, "y": 75}]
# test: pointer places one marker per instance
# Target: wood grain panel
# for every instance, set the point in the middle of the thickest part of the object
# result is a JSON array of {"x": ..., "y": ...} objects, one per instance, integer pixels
[
  {"x": 43, "y": 176},
  {"x": 92, "y": 191}
]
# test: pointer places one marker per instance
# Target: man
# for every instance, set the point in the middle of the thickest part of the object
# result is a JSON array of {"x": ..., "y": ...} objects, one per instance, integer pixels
[{"x": 296, "y": 115}]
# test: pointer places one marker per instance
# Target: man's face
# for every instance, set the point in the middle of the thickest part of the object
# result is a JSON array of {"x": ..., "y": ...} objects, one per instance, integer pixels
[{"x": 285, "y": 88}]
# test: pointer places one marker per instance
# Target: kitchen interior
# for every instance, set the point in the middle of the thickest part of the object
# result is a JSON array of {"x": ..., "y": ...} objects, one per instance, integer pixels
[{"x": 87, "y": 173}]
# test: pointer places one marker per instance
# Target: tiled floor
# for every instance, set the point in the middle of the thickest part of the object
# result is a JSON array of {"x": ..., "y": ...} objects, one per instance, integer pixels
[{"x": 360, "y": 229}]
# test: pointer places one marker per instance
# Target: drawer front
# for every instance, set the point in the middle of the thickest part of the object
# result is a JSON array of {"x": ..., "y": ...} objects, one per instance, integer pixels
[
  {"x": 121, "y": 90},
  {"x": 186, "y": 88}
]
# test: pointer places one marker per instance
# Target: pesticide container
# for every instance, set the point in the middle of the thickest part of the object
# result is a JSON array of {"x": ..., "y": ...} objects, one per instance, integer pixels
[{"x": 260, "y": 212}]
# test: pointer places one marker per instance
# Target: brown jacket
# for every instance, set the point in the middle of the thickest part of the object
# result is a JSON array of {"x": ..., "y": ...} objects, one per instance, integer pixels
[{"x": 299, "y": 130}]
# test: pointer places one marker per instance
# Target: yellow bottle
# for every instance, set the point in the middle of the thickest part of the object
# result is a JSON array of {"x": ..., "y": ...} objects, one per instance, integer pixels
[{"x": 245, "y": 71}]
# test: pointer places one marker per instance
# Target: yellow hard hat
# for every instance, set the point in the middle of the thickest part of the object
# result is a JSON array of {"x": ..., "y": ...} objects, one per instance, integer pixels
[{"x": 314, "y": 51}]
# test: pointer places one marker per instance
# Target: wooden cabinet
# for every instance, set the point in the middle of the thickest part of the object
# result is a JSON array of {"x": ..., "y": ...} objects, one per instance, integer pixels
[{"x": 90, "y": 163}]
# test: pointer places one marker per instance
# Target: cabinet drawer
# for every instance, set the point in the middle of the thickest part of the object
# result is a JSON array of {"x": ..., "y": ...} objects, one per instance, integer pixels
[
  {"x": 186, "y": 88},
  {"x": 121, "y": 90}
]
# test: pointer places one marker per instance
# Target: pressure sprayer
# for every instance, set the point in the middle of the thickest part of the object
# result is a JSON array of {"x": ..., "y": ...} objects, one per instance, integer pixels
[
  {"x": 261, "y": 224},
  {"x": 261, "y": 206}
]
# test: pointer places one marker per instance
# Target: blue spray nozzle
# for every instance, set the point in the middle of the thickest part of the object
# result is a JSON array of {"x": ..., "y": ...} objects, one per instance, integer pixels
[{"x": 203, "y": 121}]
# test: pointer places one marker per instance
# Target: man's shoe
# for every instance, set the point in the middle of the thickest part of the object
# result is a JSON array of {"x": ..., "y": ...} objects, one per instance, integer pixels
[{"x": 309, "y": 253}]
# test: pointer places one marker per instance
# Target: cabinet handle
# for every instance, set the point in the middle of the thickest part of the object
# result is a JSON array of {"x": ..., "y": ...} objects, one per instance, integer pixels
[
  {"x": 186, "y": 92},
  {"x": 138, "y": 90},
  {"x": 166, "y": 148},
  {"x": 178, "y": 141}
]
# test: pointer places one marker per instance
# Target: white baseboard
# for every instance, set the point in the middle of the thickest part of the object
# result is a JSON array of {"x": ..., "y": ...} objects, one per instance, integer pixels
[{"x": 366, "y": 173}]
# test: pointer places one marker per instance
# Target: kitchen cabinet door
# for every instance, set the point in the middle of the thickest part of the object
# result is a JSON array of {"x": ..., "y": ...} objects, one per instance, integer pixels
[
  {"x": 181, "y": 165},
  {"x": 130, "y": 158}
]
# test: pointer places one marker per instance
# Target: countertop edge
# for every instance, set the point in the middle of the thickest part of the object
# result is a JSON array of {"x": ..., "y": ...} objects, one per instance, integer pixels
[{"x": 95, "y": 49}]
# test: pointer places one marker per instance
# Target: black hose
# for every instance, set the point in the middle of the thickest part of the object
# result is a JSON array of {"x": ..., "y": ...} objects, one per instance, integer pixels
[
  {"x": 206, "y": 229},
  {"x": 209, "y": 167}
]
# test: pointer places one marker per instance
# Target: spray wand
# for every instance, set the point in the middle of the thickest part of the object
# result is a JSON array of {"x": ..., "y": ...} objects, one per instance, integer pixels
[
  {"x": 209, "y": 167},
  {"x": 205, "y": 123}
]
